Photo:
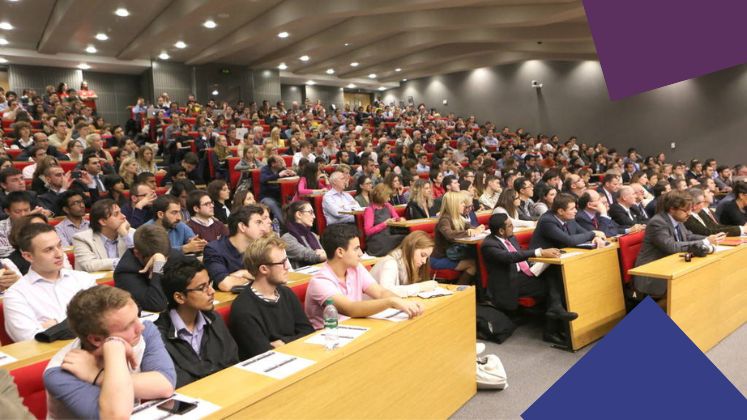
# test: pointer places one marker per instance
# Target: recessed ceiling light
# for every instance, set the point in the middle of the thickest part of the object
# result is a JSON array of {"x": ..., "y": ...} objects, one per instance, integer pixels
[
  {"x": 210, "y": 24},
  {"x": 372, "y": 76},
  {"x": 382, "y": 88},
  {"x": 3, "y": 41},
  {"x": 404, "y": 80},
  {"x": 102, "y": 36},
  {"x": 398, "y": 69},
  {"x": 283, "y": 34},
  {"x": 2, "y": 60},
  {"x": 282, "y": 66},
  {"x": 310, "y": 82},
  {"x": 84, "y": 66},
  {"x": 304, "y": 58},
  {"x": 91, "y": 49},
  {"x": 180, "y": 45},
  {"x": 347, "y": 44},
  {"x": 6, "y": 26},
  {"x": 215, "y": 92},
  {"x": 122, "y": 12},
  {"x": 164, "y": 55},
  {"x": 351, "y": 86},
  {"x": 330, "y": 71},
  {"x": 354, "y": 64}
]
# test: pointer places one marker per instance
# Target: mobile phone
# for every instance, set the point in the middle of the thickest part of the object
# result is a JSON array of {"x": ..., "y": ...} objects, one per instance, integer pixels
[
  {"x": 75, "y": 175},
  {"x": 177, "y": 407}
]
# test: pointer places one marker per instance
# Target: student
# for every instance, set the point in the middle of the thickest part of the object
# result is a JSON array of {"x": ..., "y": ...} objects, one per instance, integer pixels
[
  {"x": 592, "y": 215},
  {"x": 336, "y": 200},
  {"x": 452, "y": 225},
  {"x": 202, "y": 221},
  {"x": 140, "y": 269},
  {"x": 167, "y": 214},
  {"x": 139, "y": 209},
  {"x": 115, "y": 361},
  {"x": 703, "y": 222},
  {"x": 421, "y": 200},
  {"x": 402, "y": 269},
  {"x": 17, "y": 205},
  {"x": 269, "y": 193},
  {"x": 734, "y": 212},
  {"x": 74, "y": 207},
  {"x": 558, "y": 229},
  {"x": 267, "y": 314},
  {"x": 344, "y": 280},
  {"x": 303, "y": 247},
  {"x": 110, "y": 236},
  {"x": 379, "y": 239},
  {"x": 38, "y": 300},
  {"x": 195, "y": 336},
  {"x": 223, "y": 258}
]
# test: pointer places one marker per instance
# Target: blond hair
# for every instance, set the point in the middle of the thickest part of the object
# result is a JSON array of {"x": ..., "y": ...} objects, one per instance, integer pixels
[
  {"x": 258, "y": 252},
  {"x": 450, "y": 210},
  {"x": 414, "y": 241}
]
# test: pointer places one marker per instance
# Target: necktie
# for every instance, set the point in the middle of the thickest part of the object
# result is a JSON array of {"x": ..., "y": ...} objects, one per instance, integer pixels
[
  {"x": 708, "y": 212},
  {"x": 565, "y": 228},
  {"x": 643, "y": 210},
  {"x": 594, "y": 221},
  {"x": 678, "y": 233},
  {"x": 523, "y": 265}
]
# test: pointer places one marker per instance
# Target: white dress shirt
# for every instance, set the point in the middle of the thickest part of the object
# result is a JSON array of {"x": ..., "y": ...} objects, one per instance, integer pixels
[{"x": 33, "y": 300}]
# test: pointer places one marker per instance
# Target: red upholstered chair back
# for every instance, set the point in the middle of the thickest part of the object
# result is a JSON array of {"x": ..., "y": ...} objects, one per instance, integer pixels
[
  {"x": 523, "y": 238},
  {"x": 256, "y": 184},
  {"x": 30, "y": 382},
  {"x": 18, "y": 165},
  {"x": 68, "y": 165},
  {"x": 630, "y": 245},
  {"x": 4, "y": 337},
  {"x": 300, "y": 291},
  {"x": 428, "y": 226},
  {"x": 321, "y": 221},
  {"x": 233, "y": 174},
  {"x": 483, "y": 218},
  {"x": 225, "y": 313},
  {"x": 481, "y": 264},
  {"x": 288, "y": 160}
]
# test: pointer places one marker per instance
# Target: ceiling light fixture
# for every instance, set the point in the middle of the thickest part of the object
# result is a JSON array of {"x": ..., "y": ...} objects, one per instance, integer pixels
[
  {"x": 215, "y": 92},
  {"x": 304, "y": 58},
  {"x": 351, "y": 86},
  {"x": 164, "y": 55},
  {"x": 330, "y": 71},
  {"x": 354, "y": 64},
  {"x": 6, "y": 26},
  {"x": 398, "y": 69},
  {"x": 180, "y": 44},
  {"x": 404, "y": 80},
  {"x": 102, "y": 36},
  {"x": 282, "y": 66},
  {"x": 84, "y": 66},
  {"x": 382, "y": 88},
  {"x": 91, "y": 49},
  {"x": 347, "y": 44},
  {"x": 310, "y": 82},
  {"x": 3, "y": 60},
  {"x": 283, "y": 34},
  {"x": 3, "y": 41},
  {"x": 372, "y": 76},
  {"x": 210, "y": 24},
  {"x": 122, "y": 12}
]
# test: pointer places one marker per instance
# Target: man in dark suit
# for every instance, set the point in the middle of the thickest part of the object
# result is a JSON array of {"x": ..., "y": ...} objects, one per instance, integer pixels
[
  {"x": 525, "y": 189},
  {"x": 592, "y": 215},
  {"x": 509, "y": 274},
  {"x": 558, "y": 228},
  {"x": 734, "y": 212},
  {"x": 702, "y": 221},
  {"x": 625, "y": 212},
  {"x": 609, "y": 187},
  {"x": 666, "y": 235}
]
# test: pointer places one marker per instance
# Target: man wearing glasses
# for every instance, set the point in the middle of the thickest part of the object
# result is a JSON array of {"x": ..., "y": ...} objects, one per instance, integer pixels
[
  {"x": 525, "y": 189},
  {"x": 201, "y": 217},
  {"x": 267, "y": 314},
  {"x": 195, "y": 336},
  {"x": 666, "y": 234}
]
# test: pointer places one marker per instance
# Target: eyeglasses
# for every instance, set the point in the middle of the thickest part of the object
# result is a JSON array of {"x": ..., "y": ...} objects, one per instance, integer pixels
[
  {"x": 207, "y": 203},
  {"x": 310, "y": 211},
  {"x": 282, "y": 262},
  {"x": 204, "y": 287}
]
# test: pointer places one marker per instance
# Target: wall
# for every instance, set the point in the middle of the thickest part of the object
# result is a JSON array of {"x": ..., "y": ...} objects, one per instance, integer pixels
[
  {"x": 697, "y": 114},
  {"x": 176, "y": 79},
  {"x": 291, "y": 93},
  {"x": 115, "y": 91},
  {"x": 328, "y": 94},
  {"x": 4, "y": 79}
]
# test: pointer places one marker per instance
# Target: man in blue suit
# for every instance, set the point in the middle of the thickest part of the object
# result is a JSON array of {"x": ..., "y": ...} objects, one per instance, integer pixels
[
  {"x": 592, "y": 215},
  {"x": 558, "y": 228}
]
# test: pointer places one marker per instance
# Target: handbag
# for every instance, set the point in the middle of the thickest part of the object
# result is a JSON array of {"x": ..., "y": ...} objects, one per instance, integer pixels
[
  {"x": 457, "y": 252},
  {"x": 490, "y": 373}
]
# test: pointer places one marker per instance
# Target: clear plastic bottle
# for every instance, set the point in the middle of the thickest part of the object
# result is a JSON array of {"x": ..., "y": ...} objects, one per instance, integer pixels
[{"x": 331, "y": 318}]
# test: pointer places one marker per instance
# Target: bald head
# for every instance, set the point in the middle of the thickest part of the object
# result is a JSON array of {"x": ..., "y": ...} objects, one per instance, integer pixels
[{"x": 626, "y": 196}]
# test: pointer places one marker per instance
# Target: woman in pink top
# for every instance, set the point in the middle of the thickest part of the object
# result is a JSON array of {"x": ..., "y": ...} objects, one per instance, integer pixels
[
  {"x": 313, "y": 180},
  {"x": 379, "y": 239}
]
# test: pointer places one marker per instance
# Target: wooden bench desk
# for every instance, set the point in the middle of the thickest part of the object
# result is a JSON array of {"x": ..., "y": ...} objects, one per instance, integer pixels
[
  {"x": 593, "y": 289},
  {"x": 394, "y": 370},
  {"x": 706, "y": 297}
]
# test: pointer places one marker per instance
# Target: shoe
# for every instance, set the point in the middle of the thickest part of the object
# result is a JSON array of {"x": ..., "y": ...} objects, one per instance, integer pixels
[
  {"x": 554, "y": 338},
  {"x": 561, "y": 314}
]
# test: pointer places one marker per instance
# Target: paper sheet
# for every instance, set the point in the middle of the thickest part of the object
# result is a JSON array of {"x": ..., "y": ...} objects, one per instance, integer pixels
[
  {"x": 720, "y": 248},
  {"x": 310, "y": 269},
  {"x": 6, "y": 359},
  {"x": 345, "y": 334},
  {"x": 570, "y": 254},
  {"x": 150, "y": 410},
  {"x": 275, "y": 365},
  {"x": 391, "y": 314},
  {"x": 437, "y": 292},
  {"x": 367, "y": 257},
  {"x": 149, "y": 316}
]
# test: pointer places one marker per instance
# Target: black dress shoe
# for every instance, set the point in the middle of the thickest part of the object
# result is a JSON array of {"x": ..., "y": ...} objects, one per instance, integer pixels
[
  {"x": 554, "y": 338},
  {"x": 561, "y": 314}
]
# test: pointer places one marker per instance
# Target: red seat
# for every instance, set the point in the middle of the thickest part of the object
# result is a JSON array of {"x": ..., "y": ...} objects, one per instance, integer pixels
[
  {"x": 4, "y": 337},
  {"x": 300, "y": 291},
  {"x": 256, "y": 184},
  {"x": 483, "y": 219},
  {"x": 161, "y": 190},
  {"x": 400, "y": 211},
  {"x": 30, "y": 382},
  {"x": 159, "y": 179},
  {"x": 428, "y": 226},
  {"x": 288, "y": 190},
  {"x": 446, "y": 274},
  {"x": 288, "y": 160},
  {"x": 321, "y": 221},
  {"x": 361, "y": 230},
  {"x": 524, "y": 238},
  {"x": 21, "y": 165},
  {"x": 225, "y": 313},
  {"x": 209, "y": 157},
  {"x": 71, "y": 258},
  {"x": 630, "y": 245},
  {"x": 68, "y": 165},
  {"x": 233, "y": 174}
]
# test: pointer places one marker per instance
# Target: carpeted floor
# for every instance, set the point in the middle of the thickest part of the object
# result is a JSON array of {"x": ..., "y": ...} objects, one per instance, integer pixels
[{"x": 524, "y": 352}]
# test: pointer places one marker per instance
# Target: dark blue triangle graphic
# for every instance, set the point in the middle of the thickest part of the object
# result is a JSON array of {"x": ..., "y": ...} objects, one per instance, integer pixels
[{"x": 645, "y": 368}]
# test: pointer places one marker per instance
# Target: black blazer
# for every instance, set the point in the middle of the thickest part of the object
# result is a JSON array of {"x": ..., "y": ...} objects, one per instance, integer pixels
[
  {"x": 503, "y": 275},
  {"x": 604, "y": 224},
  {"x": 610, "y": 196},
  {"x": 620, "y": 216},
  {"x": 549, "y": 233},
  {"x": 706, "y": 226},
  {"x": 732, "y": 215},
  {"x": 147, "y": 293},
  {"x": 221, "y": 211},
  {"x": 414, "y": 211}
]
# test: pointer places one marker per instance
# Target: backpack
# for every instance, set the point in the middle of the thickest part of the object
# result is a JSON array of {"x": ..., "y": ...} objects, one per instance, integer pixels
[{"x": 492, "y": 324}]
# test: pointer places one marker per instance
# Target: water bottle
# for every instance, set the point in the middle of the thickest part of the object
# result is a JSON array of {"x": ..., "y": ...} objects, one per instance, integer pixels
[{"x": 330, "y": 325}]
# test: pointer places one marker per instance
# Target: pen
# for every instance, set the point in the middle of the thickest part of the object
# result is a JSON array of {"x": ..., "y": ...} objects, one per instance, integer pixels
[{"x": 394, "y": 314}]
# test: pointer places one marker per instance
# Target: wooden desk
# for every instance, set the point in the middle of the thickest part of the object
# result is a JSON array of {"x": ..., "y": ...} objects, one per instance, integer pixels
[
  {"x": 411, "y": 222},
  {"x": 707, "y": 297},
  {"x": 360, "y": 212},
  {"x": 593, "y": 289},
  {"x": 394, "y": 370}
]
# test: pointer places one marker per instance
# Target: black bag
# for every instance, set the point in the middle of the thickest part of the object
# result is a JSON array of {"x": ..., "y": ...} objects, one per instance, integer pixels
[
  {"x": 492, "y": 324},
  {"x": 458, "y": 252},
  {"x": 56, "y": 332}
]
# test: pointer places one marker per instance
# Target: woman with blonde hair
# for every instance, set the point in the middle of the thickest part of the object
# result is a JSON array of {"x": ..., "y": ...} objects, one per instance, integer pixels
[
  {"x": 270, "y": 150},
  {"x": 421, "y": 200},
  {"x": 128, "y": 170},
  {"x": 379, "y": 239},
  {"x": 447, "y": 254},
  {"x": 405, "y": 271},
  {"x": 275, "y": 136},
  {"x": 145, "y": 160}
]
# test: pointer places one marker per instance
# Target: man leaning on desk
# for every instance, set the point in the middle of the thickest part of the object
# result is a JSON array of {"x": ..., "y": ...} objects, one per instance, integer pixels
[{"x": 666, "y": 234}]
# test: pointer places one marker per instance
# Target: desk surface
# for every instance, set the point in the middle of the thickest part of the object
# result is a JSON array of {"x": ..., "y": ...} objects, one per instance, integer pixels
[
  {"x": 408, "y": 384},
  {"x": 579, "y": 253},
  {"x": 673, "y": 266}
]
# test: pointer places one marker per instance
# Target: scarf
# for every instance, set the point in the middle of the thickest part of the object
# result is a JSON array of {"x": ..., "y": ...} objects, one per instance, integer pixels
[{"x": 301, "y": 232}]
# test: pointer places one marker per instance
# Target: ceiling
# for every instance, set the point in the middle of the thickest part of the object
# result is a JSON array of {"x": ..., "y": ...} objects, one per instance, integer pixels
[{"x": 393, "y": 39}]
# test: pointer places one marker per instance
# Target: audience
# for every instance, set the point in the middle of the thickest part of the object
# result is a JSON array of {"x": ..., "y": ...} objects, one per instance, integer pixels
[
  {"x": 167, "y": 214},
  {"x": 302, "y": 244},
  {"x": 405, "y": 270},
  {"x": 451, "y": 225},
  {"x": 74, "y": 209},
  {"x": 202, "y": 221},
  {"x": 110, "y": 236},
  {"x": 267, "y": 314},
  {"x": 336, "y": 201},
  {"x": 379, "y": 237}
]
